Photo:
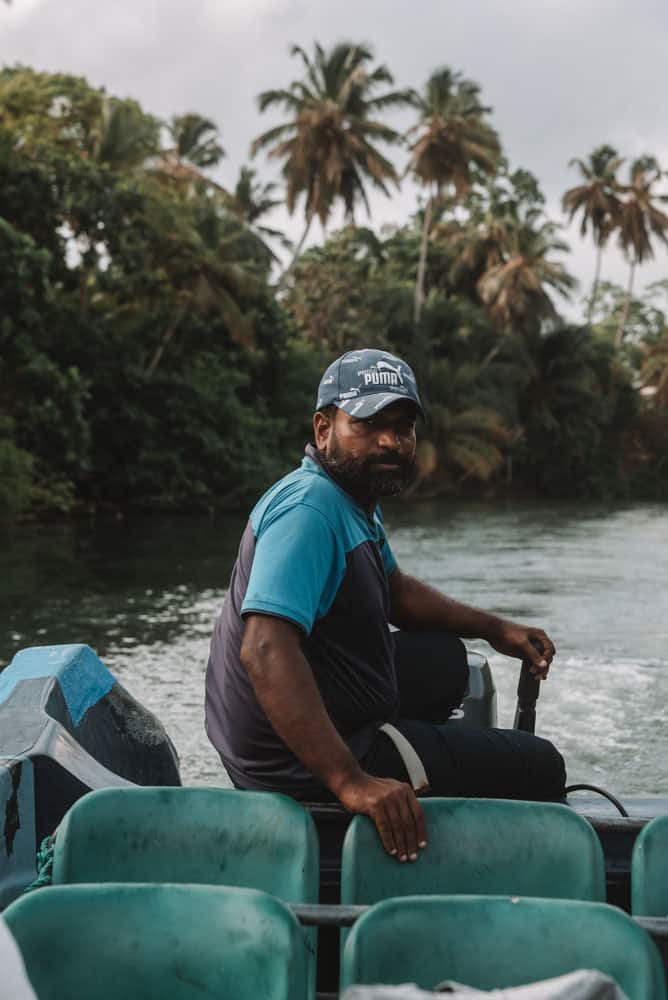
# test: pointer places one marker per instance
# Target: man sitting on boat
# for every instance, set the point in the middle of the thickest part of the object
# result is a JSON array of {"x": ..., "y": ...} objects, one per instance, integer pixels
[{"x": 304, "y": 670}]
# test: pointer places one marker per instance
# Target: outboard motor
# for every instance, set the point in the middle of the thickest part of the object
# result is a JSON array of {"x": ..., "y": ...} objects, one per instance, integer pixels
[
  {"x": 66, "y": 727},
  {"x": 478, "y": 707}
]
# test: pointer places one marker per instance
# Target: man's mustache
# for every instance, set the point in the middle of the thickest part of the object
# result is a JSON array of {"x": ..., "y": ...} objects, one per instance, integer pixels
[{"x": 396, "y": 461}]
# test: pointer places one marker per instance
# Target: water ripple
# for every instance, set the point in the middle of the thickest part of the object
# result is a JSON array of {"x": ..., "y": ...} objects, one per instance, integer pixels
[{"x": 145, "y": 593}]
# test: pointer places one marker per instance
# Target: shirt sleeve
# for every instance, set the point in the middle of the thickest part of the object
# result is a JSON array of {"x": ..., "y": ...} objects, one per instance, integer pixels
[{"x": 297, "y": 568}]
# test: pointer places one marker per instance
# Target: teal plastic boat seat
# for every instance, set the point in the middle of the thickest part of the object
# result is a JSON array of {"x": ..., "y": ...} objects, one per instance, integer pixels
[
  {"x": 212, "y": 836},
  {"x": 185, "y": 942},
  {"x": 492, "y": 942},
  {"x": 649, "y": 870},
  {"x": 480, "y": 846},
  {"x": 209, "y": 836}
]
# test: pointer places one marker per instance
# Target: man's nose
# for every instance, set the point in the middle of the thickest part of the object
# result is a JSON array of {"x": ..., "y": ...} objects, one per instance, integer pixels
[{"x": 388, "y": 437}]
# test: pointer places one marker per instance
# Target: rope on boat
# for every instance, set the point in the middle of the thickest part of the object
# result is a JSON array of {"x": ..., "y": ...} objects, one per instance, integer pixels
[{"x": 44, "y": 865}]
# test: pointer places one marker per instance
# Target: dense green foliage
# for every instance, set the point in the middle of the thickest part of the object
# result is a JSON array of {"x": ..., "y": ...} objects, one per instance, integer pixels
[{"x": 149, "y": 358}]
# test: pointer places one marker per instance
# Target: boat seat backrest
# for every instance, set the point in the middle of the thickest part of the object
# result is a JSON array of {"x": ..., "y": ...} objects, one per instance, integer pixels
[
  {"x": 493, "y": 942},
  {"x": 210, "y": 836},
  {"x": 157, "y": 941},
  {"x": 480, "y": 846},
  {"x": 649, "y": 870}
]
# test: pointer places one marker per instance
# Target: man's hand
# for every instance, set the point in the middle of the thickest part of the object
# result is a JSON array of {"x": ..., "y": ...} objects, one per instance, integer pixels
[
  {"x": 518, "y": 640},
  {"x": 416, "y": 605},
  {"x": 394, "y": 809}
]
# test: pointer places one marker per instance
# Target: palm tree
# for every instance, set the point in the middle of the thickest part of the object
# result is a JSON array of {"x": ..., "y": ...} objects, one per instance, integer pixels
[
  {"x": 639, "y": 221},
  {"x": 474, "y": 245},
  {"x": 452, "y": 142},
  {"x": 251, "y": 201},
  {"x": 597, "y": 199},
  {"x": 202, "y": 252},
  {"x": 329, "y": 144},
  {"x": 514, "y": 290},
  {"x": 464, "y": 437},
  {"x": 123, "y": 137},
  {"x": 654, "y": 372},
  {"x": 196, "y": 139},
  {"x": 195, "y": 147}
]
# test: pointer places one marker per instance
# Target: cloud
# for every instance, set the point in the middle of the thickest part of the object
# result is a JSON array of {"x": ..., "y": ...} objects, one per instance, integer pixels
[
  {"x": 233, "y": 13},
  {"x": 25, "y": 10}
]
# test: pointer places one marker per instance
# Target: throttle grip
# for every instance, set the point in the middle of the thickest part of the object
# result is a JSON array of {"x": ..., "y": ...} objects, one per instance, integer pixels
[{"x": 528, "y": 690}]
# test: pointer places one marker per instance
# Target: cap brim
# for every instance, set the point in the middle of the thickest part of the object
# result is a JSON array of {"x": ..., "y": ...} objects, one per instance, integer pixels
[{"x": 364, "y": 407}]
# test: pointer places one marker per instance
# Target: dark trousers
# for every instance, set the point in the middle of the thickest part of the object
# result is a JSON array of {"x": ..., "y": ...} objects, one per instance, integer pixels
[{"x": 460, "y": 760}]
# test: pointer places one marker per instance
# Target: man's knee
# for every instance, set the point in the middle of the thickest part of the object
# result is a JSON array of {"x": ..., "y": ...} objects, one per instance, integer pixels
[
  {"x": 547, "y": 772},
  {"x": 492, "y": 763}
]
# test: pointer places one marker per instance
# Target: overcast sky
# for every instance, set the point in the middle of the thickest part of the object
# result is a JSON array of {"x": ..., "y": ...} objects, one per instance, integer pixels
[{"x": 562, "y": 76}]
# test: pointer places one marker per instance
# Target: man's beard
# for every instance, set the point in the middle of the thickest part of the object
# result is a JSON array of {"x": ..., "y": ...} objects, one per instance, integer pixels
[{"x": 362, "y": 478}]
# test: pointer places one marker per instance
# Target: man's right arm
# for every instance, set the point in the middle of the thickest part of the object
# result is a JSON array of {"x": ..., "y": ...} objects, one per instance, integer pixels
[{"x": 288, "y": 694}]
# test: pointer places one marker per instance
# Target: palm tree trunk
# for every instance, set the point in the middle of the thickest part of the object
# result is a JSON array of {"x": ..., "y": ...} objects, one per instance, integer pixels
[
  {"x": 166, "y": 337},
  {"x": 625, "y": 311},
  {"x": 509, "y": 470},
  {"x": 422, "y": 263},
  {"x": 597, "y": 278},
  {"x": 487, "y": 360},
  {"x": 298, "y": 249}
]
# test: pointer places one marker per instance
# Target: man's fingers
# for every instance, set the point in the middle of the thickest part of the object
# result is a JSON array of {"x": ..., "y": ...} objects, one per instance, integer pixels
[
  {"x": 385, "y": 830},
  {"x": 405, "y": 817},
  {"x": 400, "y": 823},
  {"x": 393, "y": 808},
  {"x": 547, "y": 650},
  {"x": 540, "y": 669},
  {"x": 412, "y": 816},
  {"x": 550, "y": 649},
  {"x": 420, "y": 823},
  {"x": 394, "y": 813},
  {"x": 539, "y": 650}
]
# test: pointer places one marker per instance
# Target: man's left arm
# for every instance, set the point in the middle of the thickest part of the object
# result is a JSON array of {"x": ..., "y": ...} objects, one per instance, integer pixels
[{"x": 415, "y": 606}]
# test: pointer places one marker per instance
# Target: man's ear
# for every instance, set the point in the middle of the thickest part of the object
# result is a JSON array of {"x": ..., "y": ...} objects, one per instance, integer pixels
[{"x": 322, "y": 426}]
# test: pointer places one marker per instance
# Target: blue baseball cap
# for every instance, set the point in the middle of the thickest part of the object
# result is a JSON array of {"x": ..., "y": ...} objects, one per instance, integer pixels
[{"x": 363, "y": 382}]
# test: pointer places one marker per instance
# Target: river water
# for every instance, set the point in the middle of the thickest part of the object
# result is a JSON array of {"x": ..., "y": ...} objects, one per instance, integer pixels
[{"x": 144, "y": 592}]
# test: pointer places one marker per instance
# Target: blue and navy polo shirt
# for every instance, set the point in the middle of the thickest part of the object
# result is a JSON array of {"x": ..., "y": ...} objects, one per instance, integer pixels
[{"x": 312, "y": 555}]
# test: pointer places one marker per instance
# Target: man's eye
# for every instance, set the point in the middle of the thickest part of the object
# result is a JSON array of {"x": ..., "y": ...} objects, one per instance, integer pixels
[{"x": 373, "y": 423}]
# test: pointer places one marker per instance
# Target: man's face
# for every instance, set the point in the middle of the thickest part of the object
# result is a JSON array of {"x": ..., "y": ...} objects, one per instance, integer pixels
[{"x": 372, "y": 458}]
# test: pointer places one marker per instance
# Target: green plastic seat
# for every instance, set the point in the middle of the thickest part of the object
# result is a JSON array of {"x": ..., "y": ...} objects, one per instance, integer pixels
[
  {"x": 213, "y": 836},
  {"x": 492, "y": 942},
  {"x": 182, "y": 942},
  {"x": 649, "y": 870},
  {"x": 480, "y": 846}
]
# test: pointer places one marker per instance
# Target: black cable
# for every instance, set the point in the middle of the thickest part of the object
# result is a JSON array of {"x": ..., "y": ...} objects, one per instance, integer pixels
[{"x": 599, "y": 791}]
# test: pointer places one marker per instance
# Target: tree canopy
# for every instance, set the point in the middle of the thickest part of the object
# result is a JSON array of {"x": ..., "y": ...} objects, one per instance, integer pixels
[{"x": 150, "y": 359}]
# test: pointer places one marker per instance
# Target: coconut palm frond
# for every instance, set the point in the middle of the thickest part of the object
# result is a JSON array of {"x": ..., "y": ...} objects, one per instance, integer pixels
[
  {"x": 597, "y": 201},
  {"x": 196, "y": 139},
  {"x": 450, "y": 142},
  {"x": 328, "y": 146}
]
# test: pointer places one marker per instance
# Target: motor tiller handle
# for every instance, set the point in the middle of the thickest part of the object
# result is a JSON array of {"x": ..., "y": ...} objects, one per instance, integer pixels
[{"x": 528, "y": 690}]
